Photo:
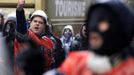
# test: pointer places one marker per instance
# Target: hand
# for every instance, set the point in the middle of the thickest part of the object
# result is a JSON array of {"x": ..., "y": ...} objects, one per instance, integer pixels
[{"x": 21, "y": 3}]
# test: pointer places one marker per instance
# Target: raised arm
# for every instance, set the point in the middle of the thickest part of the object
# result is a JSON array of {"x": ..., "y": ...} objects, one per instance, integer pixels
[{"x": 20, "y": 16}]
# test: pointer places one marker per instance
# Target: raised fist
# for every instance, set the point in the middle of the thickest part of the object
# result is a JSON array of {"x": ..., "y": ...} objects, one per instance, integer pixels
[{"x": 21, "y": 3}]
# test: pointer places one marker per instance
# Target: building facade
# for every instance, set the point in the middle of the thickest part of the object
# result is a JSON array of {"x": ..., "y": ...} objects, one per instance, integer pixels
[{"x": 60, "y": 12}]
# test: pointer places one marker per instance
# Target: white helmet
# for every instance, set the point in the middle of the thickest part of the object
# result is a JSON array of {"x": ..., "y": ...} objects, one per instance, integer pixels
[{"x": 40, "y": 13}]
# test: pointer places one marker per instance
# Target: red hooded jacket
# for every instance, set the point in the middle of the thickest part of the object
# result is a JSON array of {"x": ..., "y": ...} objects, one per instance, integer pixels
[
  {"x": 76, "y": 64},
  {"x": 43, "y": 41}
]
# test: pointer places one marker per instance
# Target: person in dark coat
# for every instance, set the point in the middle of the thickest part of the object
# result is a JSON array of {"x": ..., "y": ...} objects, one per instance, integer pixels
[
  {"x": 58, "y": 52},
  {"x": 80, "y": 41},
  {"x": 9, "y": 33}
]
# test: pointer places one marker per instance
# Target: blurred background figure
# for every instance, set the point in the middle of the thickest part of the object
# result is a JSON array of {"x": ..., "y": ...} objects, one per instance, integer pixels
[
  {"x": 10, "y": 25},
  {"x": 5, "y": 67},
  {"x": 67, "y": 38},
  {"x": 31, "y": 60},
  {"x": 9, "y": 32},
  {"x": 1, "y": 19},
  {"x": 40, "y": 31},
  {"x": 80, "y": 41},
  {"x": 58, "y": 51}
]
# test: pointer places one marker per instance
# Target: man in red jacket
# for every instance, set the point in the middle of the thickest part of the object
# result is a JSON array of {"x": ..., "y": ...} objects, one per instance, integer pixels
[{"x": 35, "y": 32}]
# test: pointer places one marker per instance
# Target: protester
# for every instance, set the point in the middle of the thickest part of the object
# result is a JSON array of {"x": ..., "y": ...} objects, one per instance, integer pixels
[
  {"x": 110, "y": 30},
  {"x": 58, "y": 52},
  {"x": 75, "y": 44},
  {"x": 9, "y": 34},
  {"x": 83, "y": 34},
  {"x": 9, "y": 26},
  {"x": 80, "y": 41},
  {"x": 67, "y": 38},
  {"x": 35, "y": 32}
]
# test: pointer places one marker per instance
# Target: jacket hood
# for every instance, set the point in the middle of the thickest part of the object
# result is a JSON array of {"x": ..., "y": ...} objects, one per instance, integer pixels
[
  {"x": 121, "y": 28},
  {"x": 68, "y": 27},
  {"x": 11, "y": 16}
]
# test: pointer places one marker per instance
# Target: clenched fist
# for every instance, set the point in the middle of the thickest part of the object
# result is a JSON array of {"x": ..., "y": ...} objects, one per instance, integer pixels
[{"x": 21, "y": 4}]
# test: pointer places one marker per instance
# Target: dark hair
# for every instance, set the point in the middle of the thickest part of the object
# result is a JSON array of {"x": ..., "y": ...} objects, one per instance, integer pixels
[
  {"x": 31, "y": 60},
  {"x": 81, "y": 34},
  {"x": 30, "y": 15}
]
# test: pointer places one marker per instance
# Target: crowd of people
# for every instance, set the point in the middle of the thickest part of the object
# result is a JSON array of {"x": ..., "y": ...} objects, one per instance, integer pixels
[{"x": 104, "y": 45}]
